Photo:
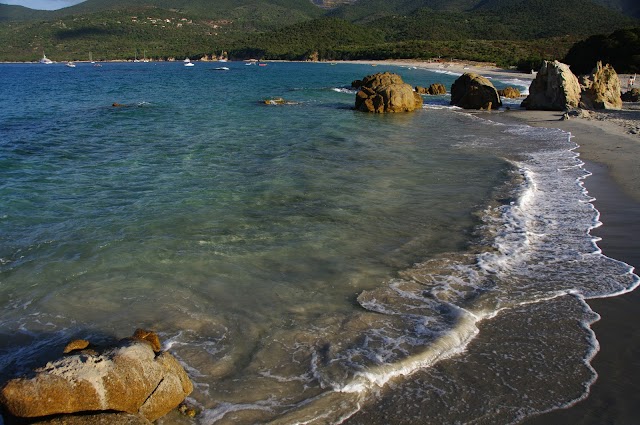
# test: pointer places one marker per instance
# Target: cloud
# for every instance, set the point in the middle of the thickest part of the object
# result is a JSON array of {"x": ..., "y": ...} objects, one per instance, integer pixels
[{"x": 43, "y": 4}]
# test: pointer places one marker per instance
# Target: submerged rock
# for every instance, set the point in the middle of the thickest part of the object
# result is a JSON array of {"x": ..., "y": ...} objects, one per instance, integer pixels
[
  {"x": 473, "y": 91},
  {"x": 555, "y": 88},
  {"x": 128, "y": 377},
  {"x": 602, "y": 89},
  {"x": 386, "y": 92}
]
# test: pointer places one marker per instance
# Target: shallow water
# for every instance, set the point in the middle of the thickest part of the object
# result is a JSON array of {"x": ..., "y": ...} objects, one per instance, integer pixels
[{"x": 303, "y": 261}]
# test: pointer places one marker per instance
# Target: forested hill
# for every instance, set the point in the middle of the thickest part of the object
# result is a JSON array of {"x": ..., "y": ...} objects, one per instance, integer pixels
[
  {"x": 493, "y": 18},
  {"x": 503, "y": 31}
]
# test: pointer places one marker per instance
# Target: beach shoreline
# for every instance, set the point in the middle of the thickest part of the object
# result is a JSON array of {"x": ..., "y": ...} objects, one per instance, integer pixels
[
  {"x": 609, "y": 145},
  {"x": 610, "y": 153}
]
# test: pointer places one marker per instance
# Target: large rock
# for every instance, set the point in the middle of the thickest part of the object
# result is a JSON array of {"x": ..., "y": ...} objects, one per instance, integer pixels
[
  {"x": 555, "y": 88},
  {"x": 386, "y": 92},
  {"x": 129, "y": 377},
  {"x": 602, "y": 89},
  {"x": 473, "y": 91}
]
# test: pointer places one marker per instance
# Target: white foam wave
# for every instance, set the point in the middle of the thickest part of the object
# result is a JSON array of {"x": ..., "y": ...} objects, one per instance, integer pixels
[{"x": 344, "y": 90}]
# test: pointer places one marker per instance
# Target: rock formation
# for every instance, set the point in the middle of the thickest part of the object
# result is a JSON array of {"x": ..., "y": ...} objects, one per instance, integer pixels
[
  {"x": 601, "y": 89},
  {"x": 509, "y": 92},
  {"x": 473, "y": 91},
  {"x": 436, "y": 89},
  {"x": 133, "y": 377},
  {"x": 632, "y": 95},
  {"x": 555, "y": 88},
  {"x": 386, "y": 92}
]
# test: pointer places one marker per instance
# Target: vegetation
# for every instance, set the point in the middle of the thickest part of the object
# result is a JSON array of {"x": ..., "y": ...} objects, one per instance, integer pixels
[
  {"x": 508, "y": 32},
  {"x": 620, "y": 49}
]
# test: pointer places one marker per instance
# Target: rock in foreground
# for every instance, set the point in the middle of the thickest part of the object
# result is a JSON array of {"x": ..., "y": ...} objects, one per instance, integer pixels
[
  {"x": 129, "y": 377},
  {"x": 555, "y": 88},
  {"x": 386, "y": 92},
  {"x": 473, "y": 91}
]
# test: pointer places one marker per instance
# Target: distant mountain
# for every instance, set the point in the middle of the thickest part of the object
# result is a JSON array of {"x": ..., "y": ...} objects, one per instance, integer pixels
[
  {"x": 491, "y": 19},
  {"x": 508, "y": 31},
  {"x": 259, "y": 12},
  {"x": 19, "y": 13}
]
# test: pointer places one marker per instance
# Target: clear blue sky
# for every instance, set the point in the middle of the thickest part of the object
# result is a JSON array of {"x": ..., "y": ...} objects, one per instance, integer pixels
[{"x": 43, "y": 4}]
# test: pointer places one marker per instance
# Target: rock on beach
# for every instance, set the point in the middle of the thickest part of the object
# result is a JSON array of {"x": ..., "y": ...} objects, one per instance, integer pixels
[
  {"x": 555, "y": 88},
  {"x": 473, "y": 91}
]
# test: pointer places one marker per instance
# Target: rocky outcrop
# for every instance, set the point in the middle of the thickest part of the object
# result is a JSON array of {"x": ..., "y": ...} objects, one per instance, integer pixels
[
  {"x": 386, "y": 92},
  {"x": 433, "y": 89},
  {"x": 133, "y": 376},
  {"x": 437, "y": 89},
  {"x": 555, "y": 88},
  {"x": 473, "y": 91},
  {"x": 602, "y": 89},
  {"x": 632, "y": 95},
  {"x": 509, "y": 92}
]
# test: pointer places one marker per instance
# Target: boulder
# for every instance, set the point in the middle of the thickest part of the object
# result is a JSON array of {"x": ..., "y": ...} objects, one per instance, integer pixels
[
  {"x": 128, "y": 377},
  {"x": 509, "y": 92},
  {"x": 473, "y": 91},
  {"x": 632, "y": 95},
  {"x": 386, "y": 92},
  {"x": 555, "y": 88},
  {"x": 421, "y": 90},
  {"x": 602, "y": 89},
  {"x": 437, "y": 89}
]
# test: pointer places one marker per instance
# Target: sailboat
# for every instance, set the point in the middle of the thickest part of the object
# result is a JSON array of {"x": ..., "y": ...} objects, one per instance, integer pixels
[
  {"x": 222, "y": 57},
  {"x": 45, "y": 60},
  {"x": 91, "y": 58}
]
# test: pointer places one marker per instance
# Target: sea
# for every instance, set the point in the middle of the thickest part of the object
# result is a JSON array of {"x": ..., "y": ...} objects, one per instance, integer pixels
[{"x": 306, "y": 263}]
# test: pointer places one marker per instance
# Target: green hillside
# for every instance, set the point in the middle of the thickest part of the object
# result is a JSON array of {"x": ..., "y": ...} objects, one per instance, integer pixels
[{"x": 507, "y": 32}]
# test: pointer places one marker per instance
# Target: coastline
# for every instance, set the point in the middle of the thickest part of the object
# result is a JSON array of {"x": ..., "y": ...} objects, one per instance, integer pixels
[
  {"x": 610, "y": 153},
  {"x": 609, "y": 144}
]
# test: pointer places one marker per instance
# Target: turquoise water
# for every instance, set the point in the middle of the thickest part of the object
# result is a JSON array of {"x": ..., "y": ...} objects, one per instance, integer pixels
[{"x": 301, "y": 260}]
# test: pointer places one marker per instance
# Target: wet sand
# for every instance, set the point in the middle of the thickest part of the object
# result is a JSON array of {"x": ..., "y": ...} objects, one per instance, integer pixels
[{"x": 612, "y": 154}]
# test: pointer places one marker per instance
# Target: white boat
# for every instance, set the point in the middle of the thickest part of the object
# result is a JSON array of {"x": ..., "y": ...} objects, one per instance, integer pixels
[
  {"x": 45, "y": 60},
  {"x": 187, "y": 62},
  {"x": 221, "y": 68},
  {"x": 70, "y": 64}
]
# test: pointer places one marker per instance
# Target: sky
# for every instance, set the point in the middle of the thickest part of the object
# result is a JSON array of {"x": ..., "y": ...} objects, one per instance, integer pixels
[{"x": 43, "y": 4}]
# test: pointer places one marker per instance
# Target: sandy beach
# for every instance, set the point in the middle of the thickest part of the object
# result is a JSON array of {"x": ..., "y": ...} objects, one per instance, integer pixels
[
  {"x": 609, "y": 144},
  {"x": 610, "y": 151}
]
